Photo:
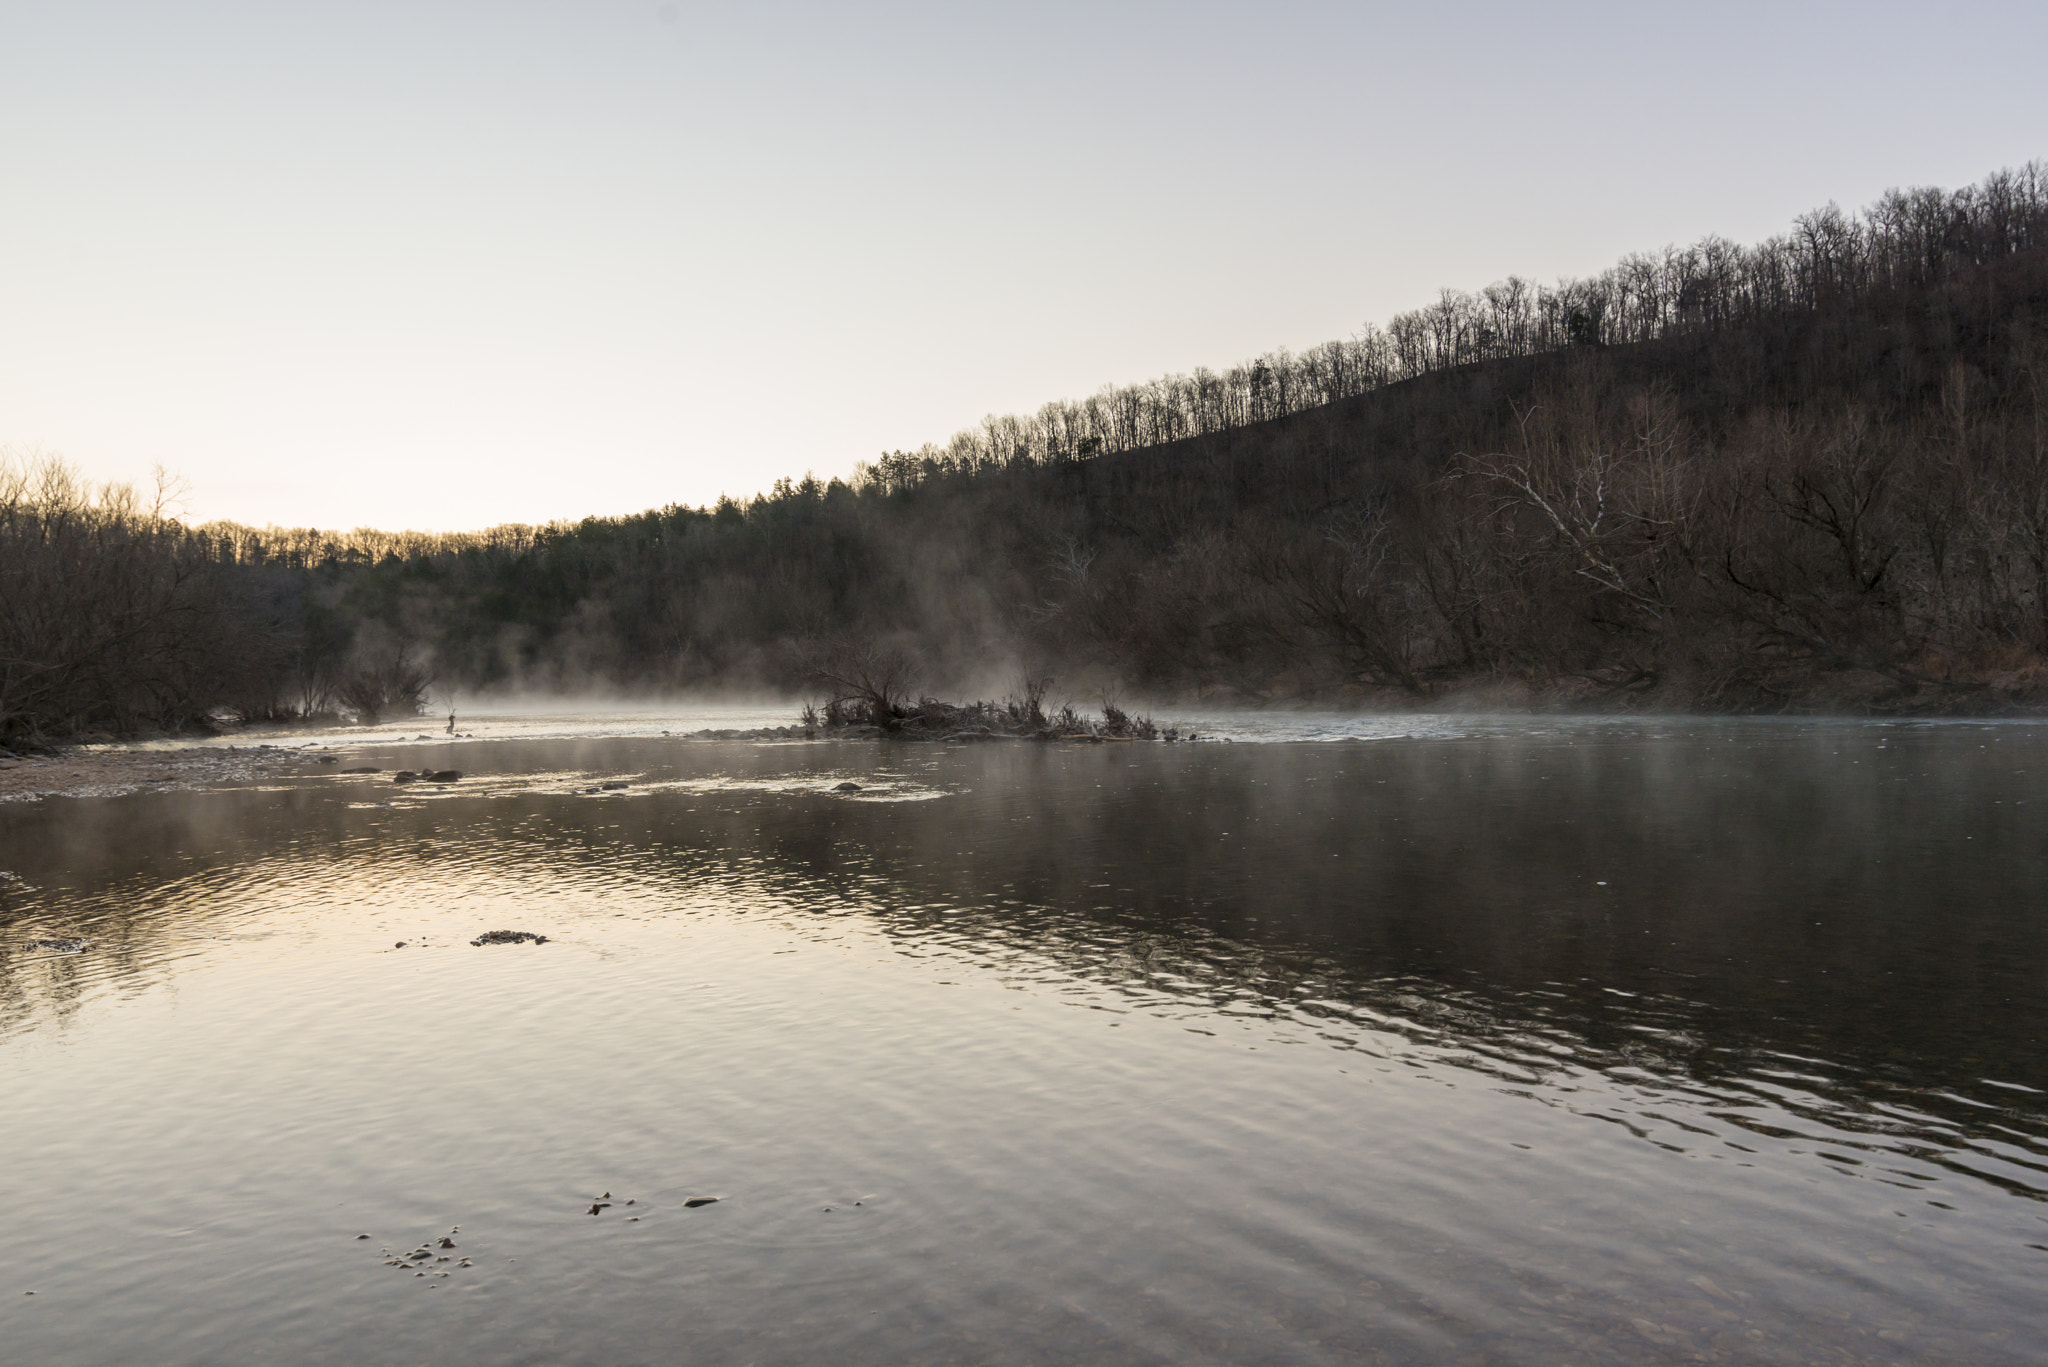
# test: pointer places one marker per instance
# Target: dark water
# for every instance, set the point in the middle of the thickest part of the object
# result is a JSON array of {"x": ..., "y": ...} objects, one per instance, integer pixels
[{"x": 1595, "y": 1043}]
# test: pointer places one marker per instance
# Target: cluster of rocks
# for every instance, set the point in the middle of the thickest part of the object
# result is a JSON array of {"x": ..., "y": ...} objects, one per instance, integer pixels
[
  {"x": 600, "y": 1204},
  {"x": 426, "y": 1260},
  {"x": 436, "y": 1259},
  {"x": 114, "y": 772},
  {"x": 429, "y": 776},
  {"x": 61, "y": 945},
  {"x": 754, "y": 733},
  {"x": 509, "y": 937}
]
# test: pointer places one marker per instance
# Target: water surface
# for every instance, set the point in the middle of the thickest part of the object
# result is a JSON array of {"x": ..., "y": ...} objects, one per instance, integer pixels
[{"x": 1589, "y": 1042}]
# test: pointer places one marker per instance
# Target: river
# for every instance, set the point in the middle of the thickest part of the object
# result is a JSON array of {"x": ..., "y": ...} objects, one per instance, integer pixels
[{"x": 1397, "y": 1040}]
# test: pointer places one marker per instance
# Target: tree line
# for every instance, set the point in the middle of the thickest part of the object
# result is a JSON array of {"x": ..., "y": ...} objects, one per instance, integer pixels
[{"x": 1808, "y": 473}]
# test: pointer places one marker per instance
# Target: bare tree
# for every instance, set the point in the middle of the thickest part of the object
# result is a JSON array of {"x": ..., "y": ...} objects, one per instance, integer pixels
[{"x": 867, "y": 683}]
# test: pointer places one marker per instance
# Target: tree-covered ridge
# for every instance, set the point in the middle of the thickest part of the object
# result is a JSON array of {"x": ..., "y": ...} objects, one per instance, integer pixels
[
  {"x": 1808, "y": 473},
  {"x": 1909, "y": 239}
]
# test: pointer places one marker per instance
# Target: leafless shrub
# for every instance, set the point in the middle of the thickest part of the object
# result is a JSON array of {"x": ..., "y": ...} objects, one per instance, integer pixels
[
  {"x": 393, "y": 685},
  {"x": 1121, "y": 725},
  {"x": 869, "y": 683},
  {"x": 1027, "y": 705}
]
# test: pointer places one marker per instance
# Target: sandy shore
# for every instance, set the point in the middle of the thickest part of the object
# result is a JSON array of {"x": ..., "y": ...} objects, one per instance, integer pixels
[{"x": 112, "y": 771}]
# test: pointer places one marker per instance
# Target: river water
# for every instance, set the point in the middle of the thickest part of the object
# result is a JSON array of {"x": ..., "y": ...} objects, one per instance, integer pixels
[{"x": 1424, "y": 1041}]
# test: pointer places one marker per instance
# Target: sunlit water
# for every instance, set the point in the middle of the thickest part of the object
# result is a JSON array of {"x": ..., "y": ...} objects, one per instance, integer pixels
[{"x": 1454, "y": 1041}]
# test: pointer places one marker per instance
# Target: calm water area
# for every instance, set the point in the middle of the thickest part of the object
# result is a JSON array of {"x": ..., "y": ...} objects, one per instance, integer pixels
[{"x": 1409, "y": 1041}]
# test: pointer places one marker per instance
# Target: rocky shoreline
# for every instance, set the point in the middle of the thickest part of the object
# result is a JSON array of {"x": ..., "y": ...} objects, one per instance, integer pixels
[{"x": 114, "y": 772}]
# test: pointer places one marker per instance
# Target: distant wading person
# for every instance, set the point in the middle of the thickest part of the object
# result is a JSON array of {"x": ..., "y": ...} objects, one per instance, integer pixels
[{"x": 451, "y": 723}]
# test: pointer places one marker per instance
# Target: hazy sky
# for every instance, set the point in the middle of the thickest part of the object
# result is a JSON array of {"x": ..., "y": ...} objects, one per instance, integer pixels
[{"x": 440, "y": 265}]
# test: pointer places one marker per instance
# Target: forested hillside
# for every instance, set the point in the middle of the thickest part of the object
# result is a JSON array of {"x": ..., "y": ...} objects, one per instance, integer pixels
[{"x": 1811, "y": 473}]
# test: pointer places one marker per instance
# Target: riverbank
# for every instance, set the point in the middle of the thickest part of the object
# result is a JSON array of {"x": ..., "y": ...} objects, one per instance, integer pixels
[{"x": 115, "y": 771}]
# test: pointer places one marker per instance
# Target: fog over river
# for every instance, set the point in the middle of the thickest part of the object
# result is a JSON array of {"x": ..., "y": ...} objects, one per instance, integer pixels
[{"x": 1391, "y": 1040}]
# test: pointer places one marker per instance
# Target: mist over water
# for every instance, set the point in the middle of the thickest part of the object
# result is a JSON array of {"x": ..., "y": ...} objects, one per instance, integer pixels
[
  {"x": 1541, "y": 1040},
  {"x": 554, "y": 717}
]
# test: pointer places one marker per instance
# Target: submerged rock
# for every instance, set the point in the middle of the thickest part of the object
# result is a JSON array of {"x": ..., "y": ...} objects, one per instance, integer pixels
[
  {"x": 508, "y": 937},
  {"x": 614, "y": 785},
  {"x": 62, "y": 945}
]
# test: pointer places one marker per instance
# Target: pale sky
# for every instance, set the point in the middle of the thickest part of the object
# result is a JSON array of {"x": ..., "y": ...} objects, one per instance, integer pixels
[{"x": 440, "y": 265}]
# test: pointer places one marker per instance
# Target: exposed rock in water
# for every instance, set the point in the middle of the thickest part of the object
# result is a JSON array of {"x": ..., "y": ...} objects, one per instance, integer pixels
[
  {"x": 614, "y": 785},
  {"x": 752, "y": 733},
  {"x": 443, "y": 776},
  {"x": 696, "y": 1201},
  {"x": 405, "y": 776},
  {"x": 508, "y": 937},
  {"x": 848, "y": 787}
]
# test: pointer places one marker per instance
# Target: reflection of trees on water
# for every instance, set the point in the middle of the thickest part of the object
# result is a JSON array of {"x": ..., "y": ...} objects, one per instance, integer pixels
[
  {"x": 1794, "y": 941},
  {"x": 130, "y": 924},
  {"x": 37, "y": 982},
  {"x": 1663, "y": 1068}
]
